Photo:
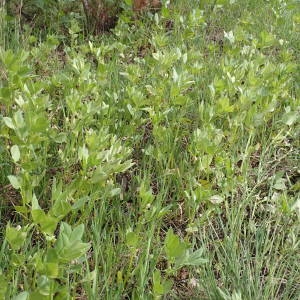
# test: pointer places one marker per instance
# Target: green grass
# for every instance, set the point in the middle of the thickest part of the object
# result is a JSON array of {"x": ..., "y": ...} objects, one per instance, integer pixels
[{"x": 174, "y": 143}]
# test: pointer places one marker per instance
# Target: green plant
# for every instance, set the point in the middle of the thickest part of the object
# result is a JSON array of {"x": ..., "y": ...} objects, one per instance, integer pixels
[{"x": 159, "y": 160}]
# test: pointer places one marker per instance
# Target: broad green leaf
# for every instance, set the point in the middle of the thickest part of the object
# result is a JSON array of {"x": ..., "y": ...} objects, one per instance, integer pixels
[
  {"x": 62, "y": 293},
  {"x": 191, "y": 259},
  {"x": 38, "y": 296},
  {"x": 34, "y": 203},
  {"x": 132, "y": 239},
  {"x": 146, "y": 195},
  {"x": 47, "y": 223},
  {"x": 267, "y": 39},
  {"x": 69, "y": 246},
  {"x": 15, "y": 236},
  {"x": 77, "y": 233},
  {"x": 17, "y": 259},
  {"x": 15, "y": 153},
  {"x": 44, "y": 286},
  {"x": 14, "y": 181},
  {"x": 290, "y": 118},
  {"x": 51, "y": 256},
  {"x": 160, "y": 286},
  {"x": 51, "y": 270},
  {"x": 180, "y": 100},
  {"x": 173, "y": 246},
  {"x": 65, "y": 230},
  {"x": 72, "y": 251},
  {"x": 224, "y": 106},
  {"x": 39, "y": 124},
  {"x": 9, "y": 123},
  {"x": 61, "y": 206},
  {"x": 80, "y": 202},
  {"x": 19, "y": 119},
  {"x": 22, "y": 296},
  {"x": 61, "y": 138}
]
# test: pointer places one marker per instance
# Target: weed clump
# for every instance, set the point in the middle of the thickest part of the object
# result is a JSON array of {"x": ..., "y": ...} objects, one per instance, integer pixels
[{"x": 158, "y": 160}]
